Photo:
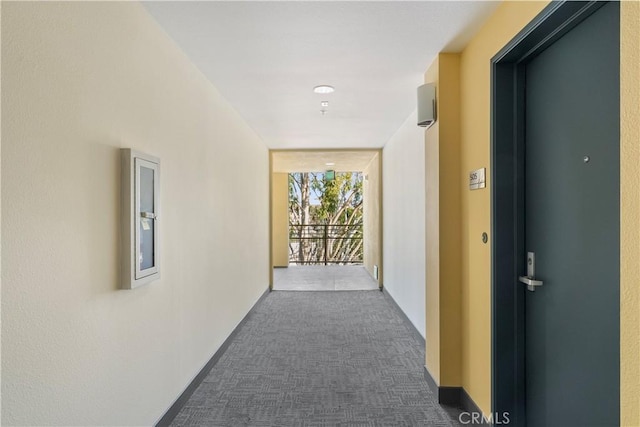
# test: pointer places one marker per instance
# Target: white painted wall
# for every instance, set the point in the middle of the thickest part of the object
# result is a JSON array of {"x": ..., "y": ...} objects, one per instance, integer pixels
[
  {"x": 372, "y": 253},
  {"x": 403, "y": 216},
  {"x": 79, "y": 81}
]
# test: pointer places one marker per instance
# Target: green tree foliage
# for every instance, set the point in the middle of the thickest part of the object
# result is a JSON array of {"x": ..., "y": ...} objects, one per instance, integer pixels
[{"x": 319, "y": 207}]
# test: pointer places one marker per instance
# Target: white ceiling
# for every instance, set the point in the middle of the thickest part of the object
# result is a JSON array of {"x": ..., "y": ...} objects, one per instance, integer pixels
[
  {"x": 266, "y": 57},
  {"x": 316, "y": 161}
]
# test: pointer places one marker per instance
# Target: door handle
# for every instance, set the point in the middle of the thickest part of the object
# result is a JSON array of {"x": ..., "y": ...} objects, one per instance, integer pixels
[
  {"x": 148, "y": 215},
  {"x": 529, "y": 279},
  {"x": 530, "y": 282}
]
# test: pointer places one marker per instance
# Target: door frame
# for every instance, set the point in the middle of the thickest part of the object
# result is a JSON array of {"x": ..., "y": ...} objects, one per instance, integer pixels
[{"x": 507, "y": 199}]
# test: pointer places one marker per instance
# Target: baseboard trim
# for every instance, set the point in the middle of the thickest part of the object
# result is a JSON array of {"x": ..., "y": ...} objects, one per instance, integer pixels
[
  {"x": 449, "y": 396},
  {"x": 452, "y": 396},
  {"x": 467, "y": 403},
  {"x": 171, "y": 413},
  {"x": 403, "y": 315}
]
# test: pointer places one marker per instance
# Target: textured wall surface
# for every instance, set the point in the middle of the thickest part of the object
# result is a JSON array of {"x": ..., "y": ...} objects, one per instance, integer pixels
[
  {"x": 404, "y": 221},
  {"x": 630, "y": 212},
  {"x": 80, "y": 80}
]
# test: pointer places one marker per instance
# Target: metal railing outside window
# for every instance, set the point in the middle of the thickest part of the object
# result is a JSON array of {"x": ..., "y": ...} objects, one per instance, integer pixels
[{"x": 325, "y": 244}]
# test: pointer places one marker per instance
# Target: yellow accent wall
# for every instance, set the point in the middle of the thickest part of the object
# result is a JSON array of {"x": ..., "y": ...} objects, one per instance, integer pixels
[
  {"x": 442, "y": 176},
  {"x": 630, "y": 214},
  {"x": 475, "y": 261},
  {"x": 506, "y": 22},
  {"x": 280, "y": 219}
]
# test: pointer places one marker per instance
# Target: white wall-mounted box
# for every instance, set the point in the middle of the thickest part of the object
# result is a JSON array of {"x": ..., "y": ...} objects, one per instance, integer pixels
[
  {"x": 140, "y": 248},
  {"x": 427, "y": 109}
]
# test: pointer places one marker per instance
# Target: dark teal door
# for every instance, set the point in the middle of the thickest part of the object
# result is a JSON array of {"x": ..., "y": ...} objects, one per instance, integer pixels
[{"x": 572, "y": 225}]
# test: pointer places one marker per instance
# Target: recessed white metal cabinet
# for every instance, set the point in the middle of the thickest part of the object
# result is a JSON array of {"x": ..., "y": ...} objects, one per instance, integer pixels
[{"x": 140, "y": 219}]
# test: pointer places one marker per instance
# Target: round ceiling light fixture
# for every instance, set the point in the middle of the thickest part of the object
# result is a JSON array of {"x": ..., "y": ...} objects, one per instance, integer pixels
[{"x": 324, "y": 89}]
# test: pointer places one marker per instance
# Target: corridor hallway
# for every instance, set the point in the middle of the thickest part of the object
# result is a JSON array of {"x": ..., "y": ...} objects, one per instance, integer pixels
[
  {"x": 319, "y": 359},
  {"x": 217, "y": 92}
]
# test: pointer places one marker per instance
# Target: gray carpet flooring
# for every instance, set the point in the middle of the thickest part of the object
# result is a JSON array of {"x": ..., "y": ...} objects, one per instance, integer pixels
[{"x": 319, "y": 359}]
